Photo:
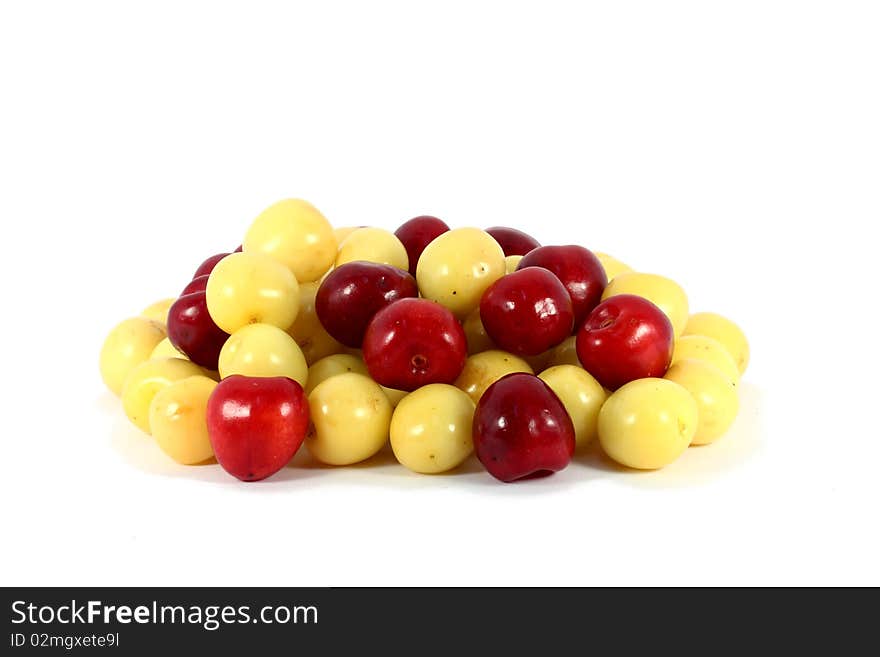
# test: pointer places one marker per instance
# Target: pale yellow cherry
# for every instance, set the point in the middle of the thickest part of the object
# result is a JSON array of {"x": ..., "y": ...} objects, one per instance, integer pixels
[
  {"x": 333, "y": 365},
  {"x": 663, "y": 292},
  {"x": 565, "y": 353},
  {"x": 477, "y": 338},
  {"x": 709, "y": 350},
  {"x": 647, "y": 423},
  {"x": 128, "y": 344},
  {"x": 612, "y": 266},
  {"x": 485, "y": 368},
  {"x": 431, "y": 429},
  {"x": 148, "y": 378},
  {"x": 351, "y": 417},
  {"x": 457, "y": 267},
  {"x": 511, "y": 263},
  {"x": 581, "y": 395},
  {"x": 343, "y": 232},
  {"x": 167, "y": 350},
  {"x": 178, "y": 419},
  {"x": 717, "y": 401},
  {"x": 158, "y": 311},
  {"x": 715, "y": 326},
  {"x": 307, "y": 329},
  {"x": 262, "y": 350},
  {"x": 373, "y": 245},
  {"x": 249, "y": 288},
  {"x": 296, "y": 234}
]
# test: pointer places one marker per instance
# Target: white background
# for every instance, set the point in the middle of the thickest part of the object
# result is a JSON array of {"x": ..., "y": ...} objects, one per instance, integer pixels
[{"x": 732, "y": 146}]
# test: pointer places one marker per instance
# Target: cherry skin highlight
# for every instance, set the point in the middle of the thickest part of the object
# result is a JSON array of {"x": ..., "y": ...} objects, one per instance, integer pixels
[
  {"x": 513, "y": 241},
  {"x": 416, "y": 234},
  {"x": 579, "y": 270},
  {"x": 256, "y": 425},
  {"x": 625, "y": 338},
  {"x": 521, "y": 429},
  {"x": 352, "y": 293},
  {"x": 527, "y": 312},
  {"x": 414, "y": 342}
]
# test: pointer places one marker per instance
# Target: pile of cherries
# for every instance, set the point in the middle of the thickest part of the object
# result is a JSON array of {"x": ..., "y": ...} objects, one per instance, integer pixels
[{"x": 446, "y": 341}]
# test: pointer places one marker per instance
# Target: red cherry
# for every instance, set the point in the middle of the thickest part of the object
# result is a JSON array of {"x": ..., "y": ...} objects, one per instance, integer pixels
[
  {"x": 521, "y": 429},
  {"x": 208, "y": 265},
  {"x": 192, "y": 331},
  {"x": 625, "y": 338},
  {"x": 238, "y": 249},
  {"x": 414, "y": 342},
  {"x": 354, "y": 292},
  {"x": 513, "y": 241},
  {"x": 579, "y": 270},
  {"x": 416, "y": 234},
  {"x": 527, "y": 312},
  {"x": 256, "y": 425},
  {"x": 198, "y": 284}
]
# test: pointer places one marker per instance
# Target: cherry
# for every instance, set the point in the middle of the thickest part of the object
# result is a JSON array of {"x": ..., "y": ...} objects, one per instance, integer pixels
[
  {"x": 238, "y": 249},
  {"x": 198, "y": 284},
  {"x": 192, "y": 331},
  {"x": 416, "y": 234},
  {"x": 625, "y": 338},
  {"x": 521, "y": 429},
  {"x": 208, "y": 265},
  {"x": 352, "y": 293},
  {"x": 527, "y": 312},
  {"x": 513, "y": 241},
  {"x": 414, "y": 342},
  {"x": 256, "y": 425},
  {"x": 579, "y": 270}
]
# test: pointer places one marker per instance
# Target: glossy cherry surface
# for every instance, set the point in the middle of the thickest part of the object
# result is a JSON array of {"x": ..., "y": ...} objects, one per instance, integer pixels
[
  {"x": 352, "y": 293},
  {"x": 416, "y": 234},
  {"x": 579, "y": 270},
  {"x": 513, "y": 241},
  {"x": 414, "y": 342},
  {"x": 527, "y": 312},
  {"x": 522, "y": 429},
  {"x": 256, "y": 425},
  {"x": 192, "y": 331},
  {"x": 625, "y": 338},
  {"x": 208, "y": 265}
]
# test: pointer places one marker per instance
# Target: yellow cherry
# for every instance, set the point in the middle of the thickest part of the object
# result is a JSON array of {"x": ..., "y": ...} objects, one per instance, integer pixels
[
  {"x": 581, "y": 395},
  {"x": 373, "y": 245},
  {"x": 713, "y": 325},
  {"x": 717, "y": 401},
  {"x": 612, "y": 266},
  {"x": 296, "y": 234},
  {"x": 709, "y": 350},
  {"x": 178, "y": 419},
  {"x": 485, "y": 368},
  {"x": 128, "y": 344},
  {"x": 648, "y": 423},
  {"x": 158, "y": 311},
  {"x": 457, "y": 267},
  {"x": 351, "y": 417},
  {"x": 249, "y": 288},
  {"x": 262, "y": 350},
  {"x": 147, "y": 379},
  {"x": 431, "y": 429}
]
